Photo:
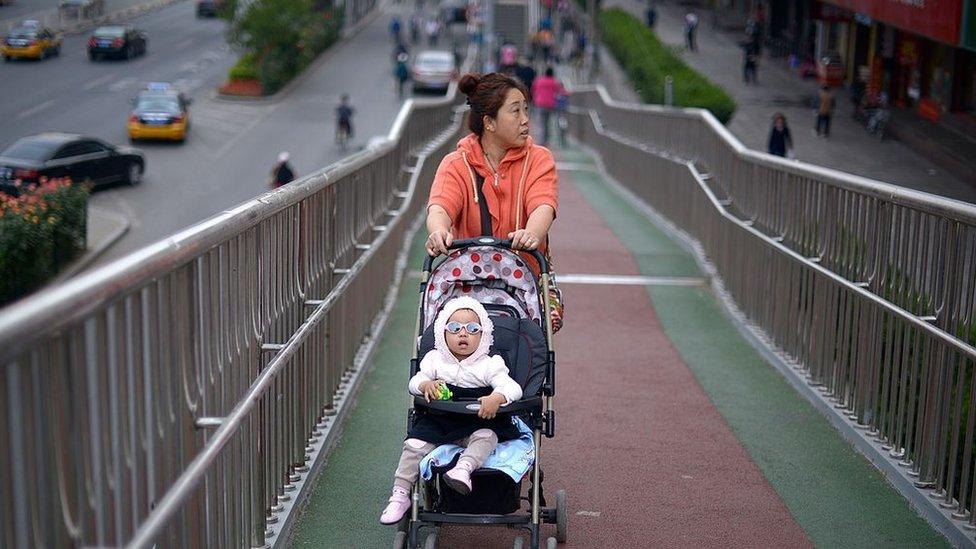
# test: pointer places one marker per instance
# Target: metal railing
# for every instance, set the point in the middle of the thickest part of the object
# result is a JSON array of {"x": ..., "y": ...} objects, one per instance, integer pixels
[
  {"x": 867, "y": 288},
  {"x": 170, "y": 396}
]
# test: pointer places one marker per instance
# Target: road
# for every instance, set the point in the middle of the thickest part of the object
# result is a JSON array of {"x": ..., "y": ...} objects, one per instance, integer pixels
[{"x": 231, "y": 146}]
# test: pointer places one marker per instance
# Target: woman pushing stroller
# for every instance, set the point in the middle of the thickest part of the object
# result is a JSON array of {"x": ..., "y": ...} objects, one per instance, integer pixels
[{"x": 463, "y": 334}]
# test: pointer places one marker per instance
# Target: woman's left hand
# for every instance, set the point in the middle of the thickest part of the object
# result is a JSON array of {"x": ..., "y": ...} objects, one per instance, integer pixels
[{"x": 524, "y": 239}]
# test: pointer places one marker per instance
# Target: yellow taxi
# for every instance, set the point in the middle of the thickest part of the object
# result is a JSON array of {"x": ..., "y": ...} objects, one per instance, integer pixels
[
  {"x": 160, "y": 112},
  {"x": 30, "y": 41}
]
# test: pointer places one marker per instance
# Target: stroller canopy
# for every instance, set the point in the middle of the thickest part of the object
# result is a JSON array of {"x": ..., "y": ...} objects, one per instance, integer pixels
[{"x": 493, "y": 276}]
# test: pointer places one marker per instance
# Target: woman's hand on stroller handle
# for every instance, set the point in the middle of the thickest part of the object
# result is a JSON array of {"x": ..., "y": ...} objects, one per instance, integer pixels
[
  {"x": 524, "y": 239},
  {"x": 481, "y": 241},
  {"x": 490, "y": 404},
  {"x": 439, "y": 242}
]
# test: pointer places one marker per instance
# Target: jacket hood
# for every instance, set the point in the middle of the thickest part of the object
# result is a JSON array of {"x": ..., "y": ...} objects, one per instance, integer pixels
[
  {"x": 470, "y": 148},
  {"x": 487, "y": 329}
]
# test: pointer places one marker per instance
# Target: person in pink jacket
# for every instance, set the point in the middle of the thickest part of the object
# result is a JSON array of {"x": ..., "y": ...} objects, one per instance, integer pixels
[{"x": 545, "y": 91}]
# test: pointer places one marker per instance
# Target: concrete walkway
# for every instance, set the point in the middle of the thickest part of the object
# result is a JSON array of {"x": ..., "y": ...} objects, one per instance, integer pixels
[
  {"x": 850, "y": 148},
  {"x": 672, "y": 431}
]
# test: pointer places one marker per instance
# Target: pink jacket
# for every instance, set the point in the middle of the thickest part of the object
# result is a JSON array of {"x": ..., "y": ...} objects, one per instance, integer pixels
[{"x": 544, "y": 92}]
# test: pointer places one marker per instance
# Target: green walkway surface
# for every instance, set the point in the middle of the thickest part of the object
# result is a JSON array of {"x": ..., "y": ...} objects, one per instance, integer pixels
[{"x": 836, "y": 496}]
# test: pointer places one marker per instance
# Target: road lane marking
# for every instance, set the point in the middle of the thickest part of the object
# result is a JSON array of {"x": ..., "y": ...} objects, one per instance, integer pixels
[
  {"x": 122, "y": 83},
  {"x": 98, "y": 82},
  {"x": 629, "y": 280},
  {"x": 36, "y": 109}
]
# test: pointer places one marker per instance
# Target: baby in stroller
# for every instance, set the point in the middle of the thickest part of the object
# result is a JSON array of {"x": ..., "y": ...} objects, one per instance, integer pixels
[{"x": 462, "y": 337}]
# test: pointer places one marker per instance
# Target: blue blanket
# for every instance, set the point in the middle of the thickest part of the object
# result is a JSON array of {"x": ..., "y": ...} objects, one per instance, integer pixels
[{"x": 512, "y": 457}]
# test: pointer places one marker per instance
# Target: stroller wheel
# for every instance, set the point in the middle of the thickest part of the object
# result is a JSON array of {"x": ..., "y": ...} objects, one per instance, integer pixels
[
  {"x": 400, "y": 540},
  {"x": 561, "y": 516},
  {"x": 431, "y": 542},
  {"x": 551, "y": 543},
  {"x": 519, "y": 541}
]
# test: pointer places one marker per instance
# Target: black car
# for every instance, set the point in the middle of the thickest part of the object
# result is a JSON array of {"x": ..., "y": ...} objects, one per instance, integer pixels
[
  {"x": 209, "y": 8},
  {"x": 67, "y": 155},
  {"x": 116, "y": 41}
]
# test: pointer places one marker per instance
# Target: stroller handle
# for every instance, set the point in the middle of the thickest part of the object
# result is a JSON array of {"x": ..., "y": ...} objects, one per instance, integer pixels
[{"x": 488, "y": 241}]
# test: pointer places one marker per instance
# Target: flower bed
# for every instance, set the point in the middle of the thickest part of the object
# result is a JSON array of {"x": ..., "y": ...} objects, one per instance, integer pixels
[{"x": 40, "y": 231}]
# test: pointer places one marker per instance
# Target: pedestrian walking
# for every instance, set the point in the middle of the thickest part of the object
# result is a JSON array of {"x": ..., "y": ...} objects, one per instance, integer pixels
[
  {"x": 691, "y": 27},
  {"x": 780, "y": 140},
  {"x": 650, "y": 15},
  {"x": 416, "y": 22},
  {"x": 282, "y": 173},
  {"x": 433, "y": 30},
  {"x": 545, "y": 91},
  {"x": 750, "y": 58},
  {"x": 395, "y": 26},
  {"x": 525, "y": 73},
  {"x": 825, "y": 110},
  {"x": 401, "y": 73}
]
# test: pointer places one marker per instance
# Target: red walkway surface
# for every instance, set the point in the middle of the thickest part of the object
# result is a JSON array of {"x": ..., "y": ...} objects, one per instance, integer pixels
[{"x": 645, "y": 458}]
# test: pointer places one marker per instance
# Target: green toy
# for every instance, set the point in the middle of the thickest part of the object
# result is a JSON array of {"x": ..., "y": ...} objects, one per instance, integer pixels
[{"x": 443, "y": 393}]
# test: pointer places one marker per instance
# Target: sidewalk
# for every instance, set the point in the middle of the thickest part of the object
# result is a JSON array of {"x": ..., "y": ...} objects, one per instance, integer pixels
[
  {"x": 850, "y": 148},
  {"x": 686, "y": 455}
]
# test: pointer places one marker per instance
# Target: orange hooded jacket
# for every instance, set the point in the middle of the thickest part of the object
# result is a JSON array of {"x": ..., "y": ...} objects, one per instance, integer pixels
[{"x": 526, "y": 180}]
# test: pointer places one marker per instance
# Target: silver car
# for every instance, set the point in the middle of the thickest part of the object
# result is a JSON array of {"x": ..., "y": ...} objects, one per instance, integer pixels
[{"x": 433, "y": 70}]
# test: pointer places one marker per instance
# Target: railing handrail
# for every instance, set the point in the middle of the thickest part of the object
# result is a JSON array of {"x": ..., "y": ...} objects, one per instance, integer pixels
[
  {"x": 932, "y": 203},
  {"x": 894, "y": 309},
  {"x": 859, "y": 291},
  {"x": 193, "y": 474},
  {"x": 24, "y": 321}
]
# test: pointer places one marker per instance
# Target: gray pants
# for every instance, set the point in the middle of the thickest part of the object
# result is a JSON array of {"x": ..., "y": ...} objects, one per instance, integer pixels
[{"x": 477, "y": 448}]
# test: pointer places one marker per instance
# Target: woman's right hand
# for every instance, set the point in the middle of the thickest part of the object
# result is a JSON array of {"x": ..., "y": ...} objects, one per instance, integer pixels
[{"x": 438, "y": 242}]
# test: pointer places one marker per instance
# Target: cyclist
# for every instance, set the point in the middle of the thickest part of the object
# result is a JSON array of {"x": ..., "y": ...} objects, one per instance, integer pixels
[{"x": 344, "y": 112}]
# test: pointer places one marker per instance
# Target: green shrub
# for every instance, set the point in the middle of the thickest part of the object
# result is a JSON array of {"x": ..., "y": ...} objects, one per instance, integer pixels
[
  {"x": 648, "y": 62},
  {"x": 282, "y": 37},
  {"x": 40, "y": 231},
  {"x": 244, "y": 69}
]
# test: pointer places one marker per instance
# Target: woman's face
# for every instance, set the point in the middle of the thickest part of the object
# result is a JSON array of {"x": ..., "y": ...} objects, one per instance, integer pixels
[{"x": 511, "y": 126}]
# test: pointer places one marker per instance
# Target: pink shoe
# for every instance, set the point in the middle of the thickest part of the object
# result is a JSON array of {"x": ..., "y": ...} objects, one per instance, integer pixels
[
  {"x": 398, "y": 506},
  {"x": 459, "y": 479}
]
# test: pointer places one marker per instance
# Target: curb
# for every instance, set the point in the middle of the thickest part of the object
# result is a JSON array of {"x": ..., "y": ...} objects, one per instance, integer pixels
[
  {"x": 315, "y": 66},
  {"x": 95, "y": 249}
]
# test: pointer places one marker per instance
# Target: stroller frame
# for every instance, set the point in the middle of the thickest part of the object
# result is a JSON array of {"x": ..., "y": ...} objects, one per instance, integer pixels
[{"x": 539, "y": 408}]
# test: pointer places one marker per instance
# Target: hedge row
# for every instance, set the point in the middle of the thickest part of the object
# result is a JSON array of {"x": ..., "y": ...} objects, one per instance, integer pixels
[
  {"x": 40, "y": 231},
  {"x": 647, "y": 62},
  {"x": 279, "y": 38}
]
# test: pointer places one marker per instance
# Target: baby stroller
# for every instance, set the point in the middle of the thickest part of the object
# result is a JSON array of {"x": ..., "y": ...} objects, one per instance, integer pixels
[{"x": 487, "y": 269}]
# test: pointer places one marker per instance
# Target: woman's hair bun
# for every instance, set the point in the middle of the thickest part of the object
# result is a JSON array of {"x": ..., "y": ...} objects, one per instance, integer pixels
[{"x": 468, "y": 83}]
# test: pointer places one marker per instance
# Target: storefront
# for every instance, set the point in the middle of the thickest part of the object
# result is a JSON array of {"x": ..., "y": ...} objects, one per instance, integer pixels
[{"x": 907, "y": 49}]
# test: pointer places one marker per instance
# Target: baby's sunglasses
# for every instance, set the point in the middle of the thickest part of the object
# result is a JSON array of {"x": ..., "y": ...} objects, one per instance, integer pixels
[{"x": 471, "y": 327}]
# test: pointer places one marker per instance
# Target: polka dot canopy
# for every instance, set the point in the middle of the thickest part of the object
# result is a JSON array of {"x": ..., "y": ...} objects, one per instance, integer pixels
[{"x": 466, "y": 272}]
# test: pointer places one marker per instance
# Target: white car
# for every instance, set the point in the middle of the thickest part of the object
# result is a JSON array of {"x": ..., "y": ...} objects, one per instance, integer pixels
[{"x": 433, "y": 70}]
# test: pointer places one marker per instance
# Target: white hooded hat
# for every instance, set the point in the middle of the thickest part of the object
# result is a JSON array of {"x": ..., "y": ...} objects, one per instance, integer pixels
[{"x": 487, "y": 328}]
